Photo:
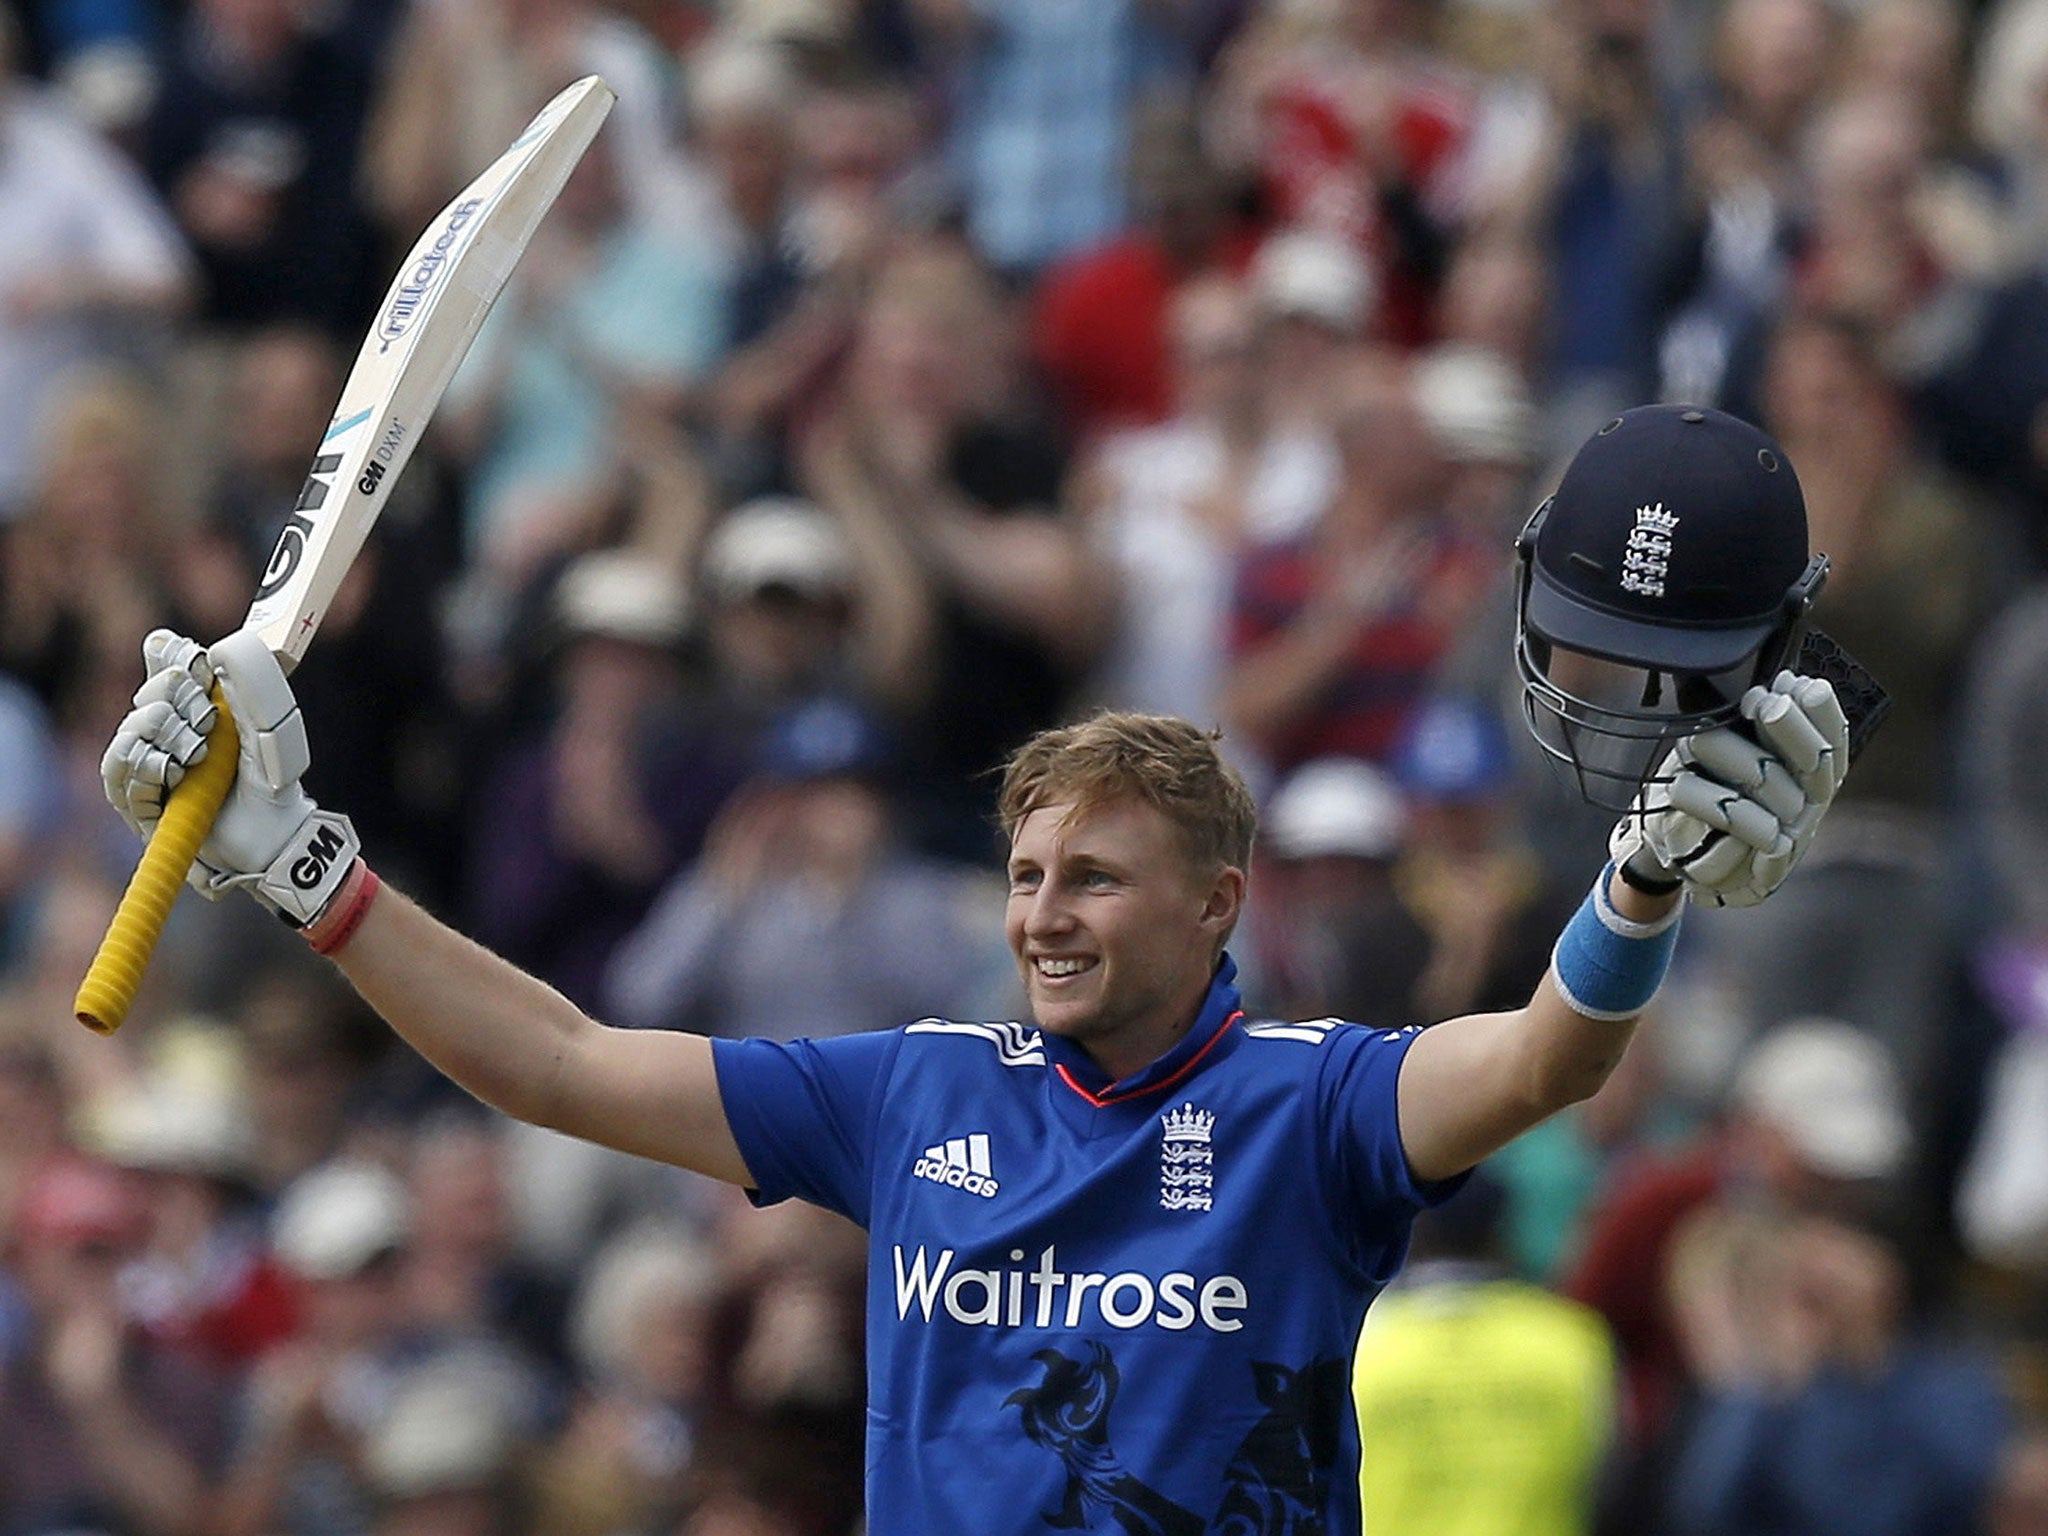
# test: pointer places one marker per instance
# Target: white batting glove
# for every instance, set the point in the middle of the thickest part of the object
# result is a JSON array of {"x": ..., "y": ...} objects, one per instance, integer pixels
[
  {"x": 270, "y": 838},
  {"x": 1735, "y": 815}
]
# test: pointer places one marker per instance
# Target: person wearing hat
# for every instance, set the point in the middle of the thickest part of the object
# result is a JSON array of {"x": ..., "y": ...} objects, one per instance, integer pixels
[
  {"x": 341, "y": 1232},
  {"x": 1317, "y": 302},
  {"x": 1330, "y": 933},
  {"x": 1468, "y": 875},
  {"x": 1814, "y": 1120},
  {"x": 205, "y": 1281},
  {"x": 101, "y": 1427},
  {"x": 805, "y": 912},
  {"x": 589, "y": 815}
]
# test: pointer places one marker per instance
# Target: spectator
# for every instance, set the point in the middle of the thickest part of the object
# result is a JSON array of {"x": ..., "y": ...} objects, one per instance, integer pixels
[
  {"x": 99, "y": 1429},
  {"x": 1913, "y": 553},
  {"x": 380, "y": 670},
  {"x": 83, "y": 572},
  {"x": 1868, "y": 251},
  {"x": 801, "y": 601},
  {"x": 1481, "y": 410},
  {"x": 581, "y": 829},
  {"x": 606, "y": 315},
  {"x": 1338, "y": 630},
  {"x": 1330, "y": 935},
  {"x": 1316, "y": 300},
  {"x": 461, "y": 78},
  {"x": 1103, "y": 332},
  {"x": 627, "y": 1457},
  {"x": 1587, "y": 166},
  {"x": 1468, "y": 874},
  {"x": 313, "y": 1404},
  {"x": 1823, "y": 1409},
  {"x": 1731, "y": 261},
  {"x": 1044, "y": 106},
  {"x": 444, "y": 1459},
  {"x": 205, "y": 1282},
  {"x": 1173, "y": 506},
  {"x": 1355, "y": 125},
  {"x": 1516, "y": 1435},
  {"x": 465, "y": 1280},
  {"x": 305, "y": 1072},
  {"x": 932, "y": 414},
  {"x": 252, "y": 141},
  {"x": 2002, "y": 1198},
  {"x": 1813, "y": 1121},
  {"x": 90, "y": 263},
  {"x": 805, "y": 916},
  {"x": 788, "y": 1384}
]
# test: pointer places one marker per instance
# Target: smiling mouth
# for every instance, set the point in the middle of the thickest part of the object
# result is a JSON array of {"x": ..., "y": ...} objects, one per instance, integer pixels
[{"x": 1060, "y": 969}]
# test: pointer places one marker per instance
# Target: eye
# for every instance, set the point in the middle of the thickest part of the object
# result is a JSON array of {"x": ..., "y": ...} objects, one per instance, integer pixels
[
  {"x": 1098, "y": 880},
  {"x": 1022, "y": 880}
]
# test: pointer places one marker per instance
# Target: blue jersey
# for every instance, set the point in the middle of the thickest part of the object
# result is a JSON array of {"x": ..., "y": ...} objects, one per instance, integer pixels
[{"x": 1119, "y": 1307}]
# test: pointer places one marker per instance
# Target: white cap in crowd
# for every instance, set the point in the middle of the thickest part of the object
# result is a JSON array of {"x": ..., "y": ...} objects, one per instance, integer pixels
[
  {"x": 1336, "y": 805},
  {"x": 623, "y": 595},
  {"x": 338, "y": 1217},
  {"x": 1477, "y": 405},
  {"x": 186, "y": 1112},
  {"x": 454, "y": 1424},
  {"x": 1833, "y": 1091},
  {"x": 1315, "y": 275},
  {"x": 777, "y": 542}
]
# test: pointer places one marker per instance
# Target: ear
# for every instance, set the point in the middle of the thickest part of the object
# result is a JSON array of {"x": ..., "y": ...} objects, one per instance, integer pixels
[{"x": 1224, "y": 902}]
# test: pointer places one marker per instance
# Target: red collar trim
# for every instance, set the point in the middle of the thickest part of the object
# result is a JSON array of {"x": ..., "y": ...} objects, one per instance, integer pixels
[{"x": 1113, "y": 1095}]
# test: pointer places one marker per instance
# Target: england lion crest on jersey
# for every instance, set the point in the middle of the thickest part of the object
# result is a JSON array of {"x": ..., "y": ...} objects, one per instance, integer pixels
[{"x": 1187, "y": 1160}]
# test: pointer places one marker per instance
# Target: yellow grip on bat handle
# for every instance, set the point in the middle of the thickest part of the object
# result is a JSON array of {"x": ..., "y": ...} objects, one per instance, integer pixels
[{"x": 115, "y": 976}]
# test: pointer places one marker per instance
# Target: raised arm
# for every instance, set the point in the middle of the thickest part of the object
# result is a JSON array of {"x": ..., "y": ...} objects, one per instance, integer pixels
[
  {"x": 1471, "y": 1085},
  {"x": 511, "y": 1040},
  {"x": 1723, "y": 824}
]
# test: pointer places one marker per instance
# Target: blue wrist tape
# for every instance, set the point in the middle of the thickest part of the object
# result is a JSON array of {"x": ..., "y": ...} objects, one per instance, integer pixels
[{"x": 1607, "y": 966}]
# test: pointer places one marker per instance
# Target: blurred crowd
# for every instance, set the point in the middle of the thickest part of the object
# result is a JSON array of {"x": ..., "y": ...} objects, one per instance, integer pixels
[{"x": 895, "y": 378}]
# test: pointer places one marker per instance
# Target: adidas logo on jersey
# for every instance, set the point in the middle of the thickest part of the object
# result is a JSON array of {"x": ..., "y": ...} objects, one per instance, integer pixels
[{"x": 959, "y": 1163}]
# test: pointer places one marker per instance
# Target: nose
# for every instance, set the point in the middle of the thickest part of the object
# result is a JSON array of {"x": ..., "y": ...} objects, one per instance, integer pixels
[{"x": 1046, "y": 911}]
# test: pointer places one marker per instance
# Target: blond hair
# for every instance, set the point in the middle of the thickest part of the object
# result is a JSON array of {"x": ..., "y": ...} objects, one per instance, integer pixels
[{"x": 1169, "y": 764}]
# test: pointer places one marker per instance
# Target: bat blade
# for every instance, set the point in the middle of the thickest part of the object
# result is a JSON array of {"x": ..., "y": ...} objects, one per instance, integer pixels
[{"x": 422, "y": 330}]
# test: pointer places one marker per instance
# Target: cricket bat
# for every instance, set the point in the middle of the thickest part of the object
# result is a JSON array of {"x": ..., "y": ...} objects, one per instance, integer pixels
[{"x": 422, "y": 330}]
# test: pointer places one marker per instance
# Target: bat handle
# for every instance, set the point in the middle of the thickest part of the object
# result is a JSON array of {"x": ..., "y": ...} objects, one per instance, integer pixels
[{"x": 115, "y": 975}]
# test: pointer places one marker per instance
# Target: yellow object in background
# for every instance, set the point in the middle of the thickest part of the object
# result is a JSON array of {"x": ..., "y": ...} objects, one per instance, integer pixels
[{"x": 1485, "y": 1408}]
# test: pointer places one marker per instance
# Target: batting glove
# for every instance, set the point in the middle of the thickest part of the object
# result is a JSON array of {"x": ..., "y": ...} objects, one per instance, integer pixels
[
  {"x": 270, "y": 838},
  {"x": 1730, "y": 816}
]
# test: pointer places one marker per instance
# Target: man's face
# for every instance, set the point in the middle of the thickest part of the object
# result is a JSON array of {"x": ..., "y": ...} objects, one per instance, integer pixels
[{"x": 1114, "y": 929}]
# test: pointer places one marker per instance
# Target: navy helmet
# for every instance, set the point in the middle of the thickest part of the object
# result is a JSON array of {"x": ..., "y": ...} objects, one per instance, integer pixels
[{"x": 1667, "y": 575}]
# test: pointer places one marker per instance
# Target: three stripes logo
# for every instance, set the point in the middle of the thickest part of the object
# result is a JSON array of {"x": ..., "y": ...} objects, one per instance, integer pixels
[{"x": 959, "y": 1163}]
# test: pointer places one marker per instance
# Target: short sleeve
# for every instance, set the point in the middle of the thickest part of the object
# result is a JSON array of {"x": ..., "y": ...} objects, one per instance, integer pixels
[
  {"x": 803, "y": 1114},
  {"x": 1373, "y": 1192}
]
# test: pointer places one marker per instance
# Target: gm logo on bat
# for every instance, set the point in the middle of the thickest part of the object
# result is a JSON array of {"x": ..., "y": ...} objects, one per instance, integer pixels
[
  {"x": 291, "y": 543},
  {"x": 412, "y": 293}
]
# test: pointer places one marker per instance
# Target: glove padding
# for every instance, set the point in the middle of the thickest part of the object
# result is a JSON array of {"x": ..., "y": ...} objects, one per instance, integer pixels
[
  {"x": 270, "y": 838},
  {"x": 1728, "y": 817}
]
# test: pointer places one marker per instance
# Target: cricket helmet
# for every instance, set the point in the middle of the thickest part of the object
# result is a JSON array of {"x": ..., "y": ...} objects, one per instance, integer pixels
[{"x": 1666, "y": 575}]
